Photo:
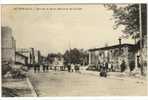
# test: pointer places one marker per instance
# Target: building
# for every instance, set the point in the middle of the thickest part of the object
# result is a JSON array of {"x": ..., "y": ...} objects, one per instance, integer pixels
[
  {"x": 33, "y": 55},
  {"x": 59, "y": 62},
  {"x": 113, "y": 54},
  {"x": 56, "y": 61},
  {"x": 20, "y": 59},
  {"x": 8, "y": 45}
]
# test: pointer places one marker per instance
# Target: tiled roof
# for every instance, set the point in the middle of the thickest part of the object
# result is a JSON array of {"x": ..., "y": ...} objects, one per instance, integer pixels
[{"x": 112, "y": 47}]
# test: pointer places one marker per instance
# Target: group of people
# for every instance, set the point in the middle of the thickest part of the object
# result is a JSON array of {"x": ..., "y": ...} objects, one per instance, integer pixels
[
  {"x": 104, "y": 69},
  {"x": 73, "y": 67},
  {"x": 44, "y": 67},
  {"x": 108, "y": 66}
]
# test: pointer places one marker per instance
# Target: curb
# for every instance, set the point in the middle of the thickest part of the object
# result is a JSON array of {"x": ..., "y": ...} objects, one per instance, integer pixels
[{"x": 34, "y": 94}]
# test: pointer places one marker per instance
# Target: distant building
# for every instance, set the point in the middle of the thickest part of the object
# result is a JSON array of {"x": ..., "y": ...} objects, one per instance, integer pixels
[
  {"x": 20, "y": 59},
  {"x": 57, "y": 61},
  {"x": 8, "y": 45},
  {"x": 33, "y": 55},
  {"x": 113, "y": 54},
  {"x": 26, "y": 52}
]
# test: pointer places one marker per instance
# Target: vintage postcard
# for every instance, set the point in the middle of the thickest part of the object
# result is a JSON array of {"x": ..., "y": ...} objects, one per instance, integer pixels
[{"x": 74, "y": 50}]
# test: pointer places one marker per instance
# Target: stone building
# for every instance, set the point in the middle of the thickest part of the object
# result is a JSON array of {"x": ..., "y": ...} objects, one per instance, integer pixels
[
  {"x": 8, "y": 45},
  {"x": 113, "y": 54}
]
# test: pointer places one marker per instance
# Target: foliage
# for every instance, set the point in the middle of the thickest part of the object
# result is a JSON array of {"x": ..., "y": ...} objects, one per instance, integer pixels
[
  {"x": 128, "y": 16},
  {"x": 51, "y": 56},
  {"x": 75, "y": 56}
]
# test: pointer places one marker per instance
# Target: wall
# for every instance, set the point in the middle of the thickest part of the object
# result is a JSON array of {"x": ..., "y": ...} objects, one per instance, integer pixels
[
  {"x": 8, "y": 45},
  {"x": 114, "y": 55}
]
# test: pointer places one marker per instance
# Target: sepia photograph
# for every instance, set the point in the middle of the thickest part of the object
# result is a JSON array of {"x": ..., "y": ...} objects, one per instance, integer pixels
[{"x": 54, "y": 50}]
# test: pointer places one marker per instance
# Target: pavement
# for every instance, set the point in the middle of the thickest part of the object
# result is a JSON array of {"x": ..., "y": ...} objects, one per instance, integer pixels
[
  {"x": 86, "y": 83},
  {"x": 16, "y": 88},
  {"x": 116, "y": 75},
  {"x": 83, "y": 83}
]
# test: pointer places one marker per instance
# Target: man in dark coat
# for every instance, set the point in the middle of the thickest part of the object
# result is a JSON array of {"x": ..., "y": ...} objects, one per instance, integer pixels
[
  {"x": 68, "y": 67},
  {"x": 123, "y": 66}
]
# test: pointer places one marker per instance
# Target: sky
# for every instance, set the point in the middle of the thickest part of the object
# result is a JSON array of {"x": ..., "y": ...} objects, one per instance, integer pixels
[{"x": 51, "y": 30}]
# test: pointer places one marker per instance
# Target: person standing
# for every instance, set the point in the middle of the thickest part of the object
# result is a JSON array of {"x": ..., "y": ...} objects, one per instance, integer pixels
[
  {"x": 123, "y": 66},
  {"x": 38, "y": 67},
  {"x": 68, "y": 67},
  {"x": 44, "y": 67},
  {"x": 106, "y": 66},
  {"x": 78, "y": 68},
  {"x": 34, "y": 68},
  {"x": 103, "y": 71},
  {"x": 47, "y": 68},
  {"x": 112, "y": 67},
  {"x": 75, "y": 67},
  {"x": 109, "y": 66},
  {"x": 55, "y": 66},
  {"x": 72, "y": 67}
]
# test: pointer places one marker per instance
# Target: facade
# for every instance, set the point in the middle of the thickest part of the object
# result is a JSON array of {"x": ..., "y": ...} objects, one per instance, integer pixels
[
  {"x": 8, "y": 45},
  {"x": 20, "y": 59},
  {"x": 25, "y": 52},
  {"x": 58, "y": 62},
  {"x": 113, "y": 54},
  {"x": 33, "y": 55}
]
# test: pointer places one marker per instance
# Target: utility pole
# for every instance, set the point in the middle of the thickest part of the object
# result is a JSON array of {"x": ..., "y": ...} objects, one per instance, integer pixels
[
  {"x": 69, "y": 45},
  {"x": 120, "y": 45},
  {"x": 70, "y": 52},
  {"x": 33, "y": 57},
  {"x": 141, "y": 38}
]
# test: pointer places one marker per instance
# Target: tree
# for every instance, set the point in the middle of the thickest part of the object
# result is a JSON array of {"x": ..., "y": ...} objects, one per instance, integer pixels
[
  {"x": 131, "y": 17},
  {"x": 128, "y": 16},
  {"x": 51, "y": 56},
  {"x": 67, "y": 58},
  {"x": 74, "y": 56}
]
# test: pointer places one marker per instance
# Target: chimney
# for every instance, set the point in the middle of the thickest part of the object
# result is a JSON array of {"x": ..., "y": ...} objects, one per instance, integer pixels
[
  {"x": 119, "y": 41},
  {"x": 119, "y": 45}
]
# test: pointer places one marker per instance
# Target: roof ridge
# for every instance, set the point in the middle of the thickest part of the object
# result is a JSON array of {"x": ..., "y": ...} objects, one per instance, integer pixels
[{"x": 110, "y": 46}]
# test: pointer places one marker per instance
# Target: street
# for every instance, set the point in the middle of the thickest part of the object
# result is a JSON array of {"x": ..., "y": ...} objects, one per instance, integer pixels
[
  {"x": 63, "y": 83},
  {"x": 86, "y": 49}
]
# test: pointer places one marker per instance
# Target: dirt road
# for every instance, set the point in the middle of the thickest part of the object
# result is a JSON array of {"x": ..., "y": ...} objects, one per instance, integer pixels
[{"x": 62, "y": 83}]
